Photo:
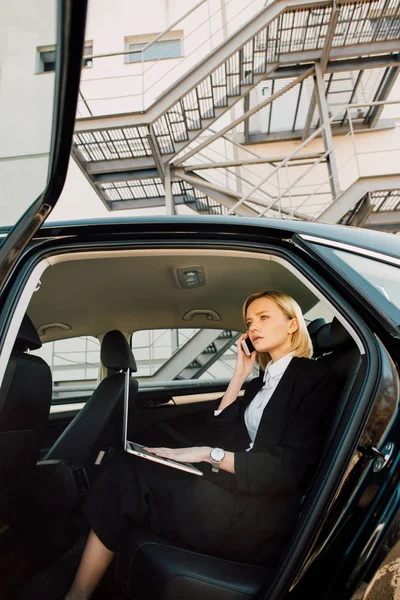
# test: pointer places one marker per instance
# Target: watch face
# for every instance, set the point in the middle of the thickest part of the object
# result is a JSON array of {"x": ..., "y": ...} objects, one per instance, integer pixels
[{"x": 217, "y": 454}]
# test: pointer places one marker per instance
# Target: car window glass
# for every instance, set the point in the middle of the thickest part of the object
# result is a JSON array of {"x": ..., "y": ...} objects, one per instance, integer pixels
[
  {"x": 72, "y": 360},
  {"x": 27, "y": 59},
  {"x": 204, "y": 353},
  {"x": 380, "y": 275}
]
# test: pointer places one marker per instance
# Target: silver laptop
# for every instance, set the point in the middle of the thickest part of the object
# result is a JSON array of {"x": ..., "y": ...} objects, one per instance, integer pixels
[{"x": 139, "y": 450}]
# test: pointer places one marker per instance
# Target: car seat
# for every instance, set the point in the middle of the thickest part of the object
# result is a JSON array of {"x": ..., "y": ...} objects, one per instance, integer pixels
[
  {"x": 97, "y": 428},
  {"x": 25, "y": 398}
]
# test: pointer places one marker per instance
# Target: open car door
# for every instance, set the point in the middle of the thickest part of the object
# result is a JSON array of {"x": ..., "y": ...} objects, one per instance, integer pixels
[{"x": 37, "y": 115}]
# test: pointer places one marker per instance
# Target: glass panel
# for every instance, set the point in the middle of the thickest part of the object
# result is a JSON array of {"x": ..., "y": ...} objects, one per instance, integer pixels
[
  {"x": 72, "y": 360},
  {"x": 162, "y": 49},
  {"x": 26, "y": 102},
  {"x": 153, "y": 348},
  {"x": 384, "y": 277},
  {"x": 377, "y": 281}
]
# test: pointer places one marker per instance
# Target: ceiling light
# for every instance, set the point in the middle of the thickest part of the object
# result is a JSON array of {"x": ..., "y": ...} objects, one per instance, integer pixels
[{"x": 190, "y": 277}]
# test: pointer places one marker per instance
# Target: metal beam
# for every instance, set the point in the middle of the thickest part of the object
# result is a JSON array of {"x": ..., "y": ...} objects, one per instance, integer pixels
[
  {"x": 81, "y": 166},
  {"x": 225, "y": 200},
  {"x": 120, "y": 165},
  {"x": 279, "y": 136},
  {"x": 352, "y": 195},
  {"x": 153, "y": 202},
  {"x": 326, "y": 132},
  {"x": 245, "y": 115},
  {"x": 323, "y": 64},
  {"x": 384, "y": 217},
  {"x": 386, "y": 89},
  {"x": 248, "y": 161},
  {"x": 186, "y": 354},
  {"x": 310, "y": 114},
  {"x": 339, "y": 52},
  {"x": 221, "y": 194},
  {"x": 224, "y": 197},
  {"x": 169, "y": 199},
  {"x": 155, "y": 150},
  {"x": 340, "y": 66},
  {"x": 124, "y": 176}
]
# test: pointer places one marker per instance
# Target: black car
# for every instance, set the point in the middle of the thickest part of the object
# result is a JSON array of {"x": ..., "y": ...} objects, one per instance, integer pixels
[{"x": 67, "y": 280}]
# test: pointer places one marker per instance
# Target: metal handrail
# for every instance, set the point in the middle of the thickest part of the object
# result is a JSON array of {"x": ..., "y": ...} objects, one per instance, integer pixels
[
  {"x": 244, "y": 8},
  {"x": 144, "y": 71},
  {"x": 151, "y": 42},
  {"x": 290, "y": 157}
]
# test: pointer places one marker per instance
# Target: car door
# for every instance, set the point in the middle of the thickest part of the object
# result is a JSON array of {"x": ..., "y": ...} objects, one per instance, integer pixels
[
  {"x": 359, "y": 536},
  {"x": 35, "y": 144}
]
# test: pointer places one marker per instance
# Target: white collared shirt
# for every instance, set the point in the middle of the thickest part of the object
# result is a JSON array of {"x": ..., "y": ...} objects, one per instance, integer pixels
[{"x": 272, "y": 376}]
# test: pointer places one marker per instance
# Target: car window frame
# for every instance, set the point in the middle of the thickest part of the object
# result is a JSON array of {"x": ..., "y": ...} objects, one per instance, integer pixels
[
  {"x": 374, "y": 299},
  {"x": 71, "y": 24}
]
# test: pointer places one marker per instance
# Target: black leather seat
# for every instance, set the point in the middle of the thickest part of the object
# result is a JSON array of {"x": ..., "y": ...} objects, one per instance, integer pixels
[
  {"x": 25, "y": 398},
  {"x": 337, "y": 349},
  {"x": 313, "y": 329},
  {"x": 98, "y": 426},
  {"x": 335, "y": 346},
  {"x": 149, "y": 567}
]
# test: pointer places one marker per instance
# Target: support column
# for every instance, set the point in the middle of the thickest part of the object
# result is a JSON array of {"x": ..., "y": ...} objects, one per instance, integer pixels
[
  {"x": 169, "y": 199},
  {"x": 327, "y": 131}
]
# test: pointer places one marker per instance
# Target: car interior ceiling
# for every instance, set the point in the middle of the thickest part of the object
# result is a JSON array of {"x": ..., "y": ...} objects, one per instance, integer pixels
[{"x": 124, "y": 292}]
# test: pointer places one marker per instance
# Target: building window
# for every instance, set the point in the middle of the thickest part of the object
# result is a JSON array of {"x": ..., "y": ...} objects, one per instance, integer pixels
[
  {"x": 87, "y": 51},
  {"x": 170, "y": 46},
  {"x": 46, "y": 60}
]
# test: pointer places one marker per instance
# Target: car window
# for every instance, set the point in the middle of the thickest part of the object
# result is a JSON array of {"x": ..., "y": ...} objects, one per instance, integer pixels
[
  {"x": 72, "y": 361},
  {"x": 27, "y": 59},
  {"x": 167, "y": 354},
  {"x": 375, "y": 275}
]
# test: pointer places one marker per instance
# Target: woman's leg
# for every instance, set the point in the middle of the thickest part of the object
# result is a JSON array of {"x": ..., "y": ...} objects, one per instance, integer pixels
[{"x": 95, "y": 561}]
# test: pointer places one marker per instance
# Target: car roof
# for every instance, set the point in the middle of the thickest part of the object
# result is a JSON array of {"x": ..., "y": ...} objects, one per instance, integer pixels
[{"x": 377, "y": 241}]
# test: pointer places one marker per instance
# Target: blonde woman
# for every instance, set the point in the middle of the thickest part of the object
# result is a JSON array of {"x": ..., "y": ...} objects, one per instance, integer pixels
[{"x": 246, "y": 506}]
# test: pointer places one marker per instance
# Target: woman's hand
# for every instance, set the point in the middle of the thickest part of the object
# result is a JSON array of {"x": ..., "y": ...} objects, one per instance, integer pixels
[
  {"x": 244, "y": 364},
  {"x": 191, "y": 455}
]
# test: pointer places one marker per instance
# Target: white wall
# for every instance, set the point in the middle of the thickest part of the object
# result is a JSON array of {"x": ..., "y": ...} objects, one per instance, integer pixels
[{"x": 26, "y": 104}]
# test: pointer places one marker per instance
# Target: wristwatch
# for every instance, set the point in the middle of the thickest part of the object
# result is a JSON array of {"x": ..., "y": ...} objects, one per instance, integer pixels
[{"x": 216, "y": 455}]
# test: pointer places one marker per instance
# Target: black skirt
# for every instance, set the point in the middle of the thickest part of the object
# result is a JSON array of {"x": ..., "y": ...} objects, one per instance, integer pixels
[{"x": 205, "y": 514}]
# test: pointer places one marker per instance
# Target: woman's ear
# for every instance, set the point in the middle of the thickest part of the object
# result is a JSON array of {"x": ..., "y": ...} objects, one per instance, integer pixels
[{"x": 293, "y": 326}]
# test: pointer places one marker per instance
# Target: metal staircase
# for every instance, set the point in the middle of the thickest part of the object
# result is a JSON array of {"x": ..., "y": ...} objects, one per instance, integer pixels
[
  {"x": 197, "y": 355},
  {"x": 209, "y": 355},
  {"x": 137, "y": 159}
]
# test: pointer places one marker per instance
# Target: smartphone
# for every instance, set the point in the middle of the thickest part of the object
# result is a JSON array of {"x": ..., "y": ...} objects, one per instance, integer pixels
[{"x": 247, "y": 346}]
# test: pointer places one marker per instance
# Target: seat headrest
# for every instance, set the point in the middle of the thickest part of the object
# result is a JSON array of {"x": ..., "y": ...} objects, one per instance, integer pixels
[
  {"x": 331, "y": 337},
  {"x": 315, "y": 325},
  {"x": 116, "y": 353},
  {"x": 27, "y": 338}
]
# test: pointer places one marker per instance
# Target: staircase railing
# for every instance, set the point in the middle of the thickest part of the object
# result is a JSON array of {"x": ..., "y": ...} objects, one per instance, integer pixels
[
  {"x": 305, "y": 185},
  {"x": 148, "y": 78}
]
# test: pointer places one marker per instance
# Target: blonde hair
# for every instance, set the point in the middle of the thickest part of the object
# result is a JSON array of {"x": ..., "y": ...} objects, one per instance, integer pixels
[{"x": 301, "y": 341}]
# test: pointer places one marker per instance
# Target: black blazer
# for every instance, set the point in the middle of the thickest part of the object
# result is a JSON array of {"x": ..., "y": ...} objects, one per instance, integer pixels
[{"x": 292, "y": 430}]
